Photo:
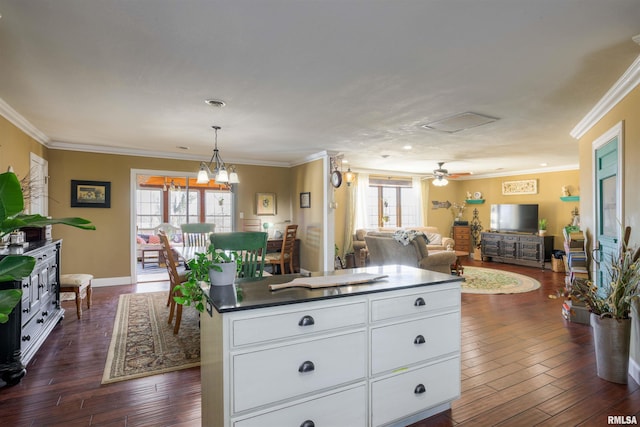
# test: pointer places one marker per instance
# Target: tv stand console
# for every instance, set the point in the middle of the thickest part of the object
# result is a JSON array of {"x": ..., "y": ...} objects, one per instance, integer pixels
[{"x": 513, "y": 248}]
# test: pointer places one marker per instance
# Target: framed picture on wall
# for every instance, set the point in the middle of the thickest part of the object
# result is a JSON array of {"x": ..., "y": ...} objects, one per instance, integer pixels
[
  {"x": 90, "y": 194},
  {"x": 305, "y": 200},
  {"x": 265, "y": 203}
]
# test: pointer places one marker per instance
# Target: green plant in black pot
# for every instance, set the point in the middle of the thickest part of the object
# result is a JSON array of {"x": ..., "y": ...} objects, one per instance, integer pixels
[{"x": 15, "y": 267}]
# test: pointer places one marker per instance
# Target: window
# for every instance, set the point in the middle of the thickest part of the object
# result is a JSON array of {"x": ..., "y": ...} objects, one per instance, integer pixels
[
  {"x": 180, "y": 204},
  {"x": 149, "y": 209},
  {"x": 218, "y": 208},
  {"x": 391, "y": 202}
]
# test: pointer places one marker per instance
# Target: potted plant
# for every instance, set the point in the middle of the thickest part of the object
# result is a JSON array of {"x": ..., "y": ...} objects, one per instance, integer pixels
[
  {"x": 542, "y": 226},
  {"x": 610, "y": 307},
  {"x": 15, "y": 267},
  {"x": 215, "y": 267}
]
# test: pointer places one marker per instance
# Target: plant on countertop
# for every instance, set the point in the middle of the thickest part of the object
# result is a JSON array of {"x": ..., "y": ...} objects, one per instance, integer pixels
[
  {"x": 15, "y": 267},
  {"x": 542, "y": 224},
  {"x": 190, "y": 292}
]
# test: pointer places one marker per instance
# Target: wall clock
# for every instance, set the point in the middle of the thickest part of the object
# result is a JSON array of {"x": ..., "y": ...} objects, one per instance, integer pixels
[{"x": 336, "y": 178}]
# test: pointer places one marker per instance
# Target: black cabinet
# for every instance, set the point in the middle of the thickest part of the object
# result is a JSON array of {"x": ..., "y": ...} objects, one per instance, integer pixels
[
  {"x": 35, "y": 316},
  {"x": 522, "y": 249}
]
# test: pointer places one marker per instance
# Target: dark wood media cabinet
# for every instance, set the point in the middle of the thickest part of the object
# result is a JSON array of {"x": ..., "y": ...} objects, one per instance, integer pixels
[{"x": 513, "y": 248}]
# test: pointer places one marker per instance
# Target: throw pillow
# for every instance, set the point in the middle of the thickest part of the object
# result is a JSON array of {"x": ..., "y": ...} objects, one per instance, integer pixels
[
  {"x": 434, "y": 239},
  {"x": 140, "y": 240},
  {"x": 154, "y": 239}
]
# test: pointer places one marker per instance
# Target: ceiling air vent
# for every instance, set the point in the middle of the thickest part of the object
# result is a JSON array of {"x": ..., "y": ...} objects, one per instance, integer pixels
[{"x": 459, "y": 122}]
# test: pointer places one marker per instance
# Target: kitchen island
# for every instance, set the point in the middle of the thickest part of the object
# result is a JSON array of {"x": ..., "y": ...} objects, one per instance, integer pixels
[{"x": 380, "y": 353}]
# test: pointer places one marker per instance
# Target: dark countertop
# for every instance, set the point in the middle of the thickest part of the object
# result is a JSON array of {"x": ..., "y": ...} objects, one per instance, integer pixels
[{"x": 249, "y": 294}]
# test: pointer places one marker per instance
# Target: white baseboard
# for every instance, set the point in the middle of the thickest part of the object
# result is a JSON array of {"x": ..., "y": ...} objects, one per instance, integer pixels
[
  {"x": 634, "y": 370},
  {"x": 111, "y": 281}
]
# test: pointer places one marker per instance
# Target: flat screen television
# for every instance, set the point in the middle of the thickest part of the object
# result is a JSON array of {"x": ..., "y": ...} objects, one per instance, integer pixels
[{"x": 514, "y": 218}]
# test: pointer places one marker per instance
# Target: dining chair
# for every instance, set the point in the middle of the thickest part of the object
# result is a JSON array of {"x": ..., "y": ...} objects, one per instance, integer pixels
[
  {"x": 197, "y": 234},
  {"x": 175, "y": 279},
  {"x": 285, "y": 256},
  {"x": 250, "y": 246}
]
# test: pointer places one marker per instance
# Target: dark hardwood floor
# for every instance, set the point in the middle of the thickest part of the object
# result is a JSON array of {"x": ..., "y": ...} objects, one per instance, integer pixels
[{"x": 522, "y": 365}]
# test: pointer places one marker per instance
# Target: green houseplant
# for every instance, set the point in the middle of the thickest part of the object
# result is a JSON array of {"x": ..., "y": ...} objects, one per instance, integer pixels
[
  {"x": 15, "y": 267},
  {"x": 610, "y": 305},
  {"x": 204, "y": 268},
  {"x": 542, "y": 226}
]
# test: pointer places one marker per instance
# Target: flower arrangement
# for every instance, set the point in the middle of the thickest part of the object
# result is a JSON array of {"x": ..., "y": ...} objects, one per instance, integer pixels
[
  {"x": 457, "y": 209},
  {"x": 613, "y": 298}
]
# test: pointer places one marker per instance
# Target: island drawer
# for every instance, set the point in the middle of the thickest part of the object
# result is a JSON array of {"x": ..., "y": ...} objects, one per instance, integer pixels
[
  {"x": 274, "y": 374},
  {"x": 412, "y": 391},
  {"x": 418, "y": 303},
  {"x": 404, "y": 344},
  {"x": 288, "y": 324},
  {"x": 345, "y": 408}
]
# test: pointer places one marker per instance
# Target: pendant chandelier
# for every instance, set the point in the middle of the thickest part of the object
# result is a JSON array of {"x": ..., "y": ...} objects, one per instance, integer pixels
[{"x": 219, "y": 172}]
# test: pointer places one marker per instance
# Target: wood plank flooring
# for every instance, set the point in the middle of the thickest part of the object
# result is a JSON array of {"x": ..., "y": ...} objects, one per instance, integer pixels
[{"x": 522, "y": 365}]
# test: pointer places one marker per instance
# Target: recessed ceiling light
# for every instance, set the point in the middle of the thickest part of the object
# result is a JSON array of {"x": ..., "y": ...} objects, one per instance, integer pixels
[
  {"x": 407, "y": 147},
  {"x": 544, "y": 164},
  {"x": 215, "y": 103}
]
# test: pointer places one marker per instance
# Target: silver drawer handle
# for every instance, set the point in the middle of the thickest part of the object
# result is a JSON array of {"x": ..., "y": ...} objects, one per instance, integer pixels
[
  {"x": 306, "y": 321},
  {"x": 307, "y": 366}
]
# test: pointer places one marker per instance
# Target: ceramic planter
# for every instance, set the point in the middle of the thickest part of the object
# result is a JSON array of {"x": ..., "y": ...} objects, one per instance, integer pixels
[
  {"x": 224, "y": 277},
  {"x": 611, "y": 341}
]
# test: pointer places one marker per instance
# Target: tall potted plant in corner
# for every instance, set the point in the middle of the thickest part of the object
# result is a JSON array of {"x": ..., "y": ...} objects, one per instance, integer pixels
[
  {"x": 15, "y": 267},
  {"x": 610, "y": 307}
]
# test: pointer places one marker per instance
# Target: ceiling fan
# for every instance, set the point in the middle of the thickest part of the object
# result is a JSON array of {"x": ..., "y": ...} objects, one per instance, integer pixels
[{"x": 440, "y": 175}]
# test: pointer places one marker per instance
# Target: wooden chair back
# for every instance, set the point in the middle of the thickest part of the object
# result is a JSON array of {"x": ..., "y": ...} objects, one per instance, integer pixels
[
  {"x": 250, "y": 245},
  {"x": 285, "y": 256},
  {"x": 197, "y": 234},
  {"x": 174, "y": 280},
  {"x": 251, "y": 224}
]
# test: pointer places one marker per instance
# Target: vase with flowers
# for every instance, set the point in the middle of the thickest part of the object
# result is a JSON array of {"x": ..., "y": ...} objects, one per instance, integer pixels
[{"x": 610, "y": 306}]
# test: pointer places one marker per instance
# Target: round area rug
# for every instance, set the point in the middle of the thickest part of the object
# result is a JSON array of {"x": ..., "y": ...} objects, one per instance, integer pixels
[{"x": 488, "y": 281}]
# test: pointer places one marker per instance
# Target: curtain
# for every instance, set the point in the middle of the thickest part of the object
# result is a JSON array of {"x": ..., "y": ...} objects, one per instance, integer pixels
[
  {"x": 349, "y": 229},
  {"x": 416, "y": 185},
  {"x": 362, "y": 186}
]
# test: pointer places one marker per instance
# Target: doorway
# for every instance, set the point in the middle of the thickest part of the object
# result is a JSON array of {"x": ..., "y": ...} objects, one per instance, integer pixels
[{"x": 608, "y": 201}]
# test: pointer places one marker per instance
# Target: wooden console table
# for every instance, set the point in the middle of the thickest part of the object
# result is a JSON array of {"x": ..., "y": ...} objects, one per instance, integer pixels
[
  {"x": 275, "y": 245},
  {"x": 522, "y": 249}
]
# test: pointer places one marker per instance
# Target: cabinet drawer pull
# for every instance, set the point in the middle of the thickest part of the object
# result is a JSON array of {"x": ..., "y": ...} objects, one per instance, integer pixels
[
  {"x": 306, "y": 321},
  {"x": 26, "y": 338},
  {"x": 307, "y": 366},
  {"x": 419, "y": 389},
  {"x": 45, "y": 313},
  {"x": 419, "y": 340},
  {"x": 40, "y": 320},
  {"x": 26, "y": 285},
  {"x": 25, "y": 310},
  {"x": 308, "y": 423},
  {"x": 419, "y": 302}
]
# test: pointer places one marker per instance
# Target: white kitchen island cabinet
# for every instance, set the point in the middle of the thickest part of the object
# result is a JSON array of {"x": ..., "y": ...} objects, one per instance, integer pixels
[{"x": 385, "y": 353}]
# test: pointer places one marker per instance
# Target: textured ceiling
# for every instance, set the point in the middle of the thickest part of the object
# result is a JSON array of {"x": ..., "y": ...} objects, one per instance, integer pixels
[{"x": 302, "y": 77}]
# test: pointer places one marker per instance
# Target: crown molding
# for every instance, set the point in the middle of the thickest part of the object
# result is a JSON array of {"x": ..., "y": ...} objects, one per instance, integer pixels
[
  {"x": 21, "y": 123},
  {"x": 100, "y": 149},
  {"x": 625, "y": 84}
]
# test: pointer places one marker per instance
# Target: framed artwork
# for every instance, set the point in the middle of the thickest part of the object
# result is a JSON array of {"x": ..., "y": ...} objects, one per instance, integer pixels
[
  {"x": 265, "y": 203},
  {"x": 90, "y": 194},
  {"x": 526, "y": 186},
  {"x": 305, "y": 200}
]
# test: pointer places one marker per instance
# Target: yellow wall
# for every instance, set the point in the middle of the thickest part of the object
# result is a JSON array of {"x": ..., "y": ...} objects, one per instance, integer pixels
[
  {"x": 106, "y": 252},
  {"x": 15, "y": 147},
  {"x": 626, "y": 111},
  {"x": 304, "y": 178}
]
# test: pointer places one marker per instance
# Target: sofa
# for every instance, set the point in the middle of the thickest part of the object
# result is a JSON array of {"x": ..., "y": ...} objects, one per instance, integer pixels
[
  {"x": 384, "y": 249},
  {"x": 437, "y": 242}
]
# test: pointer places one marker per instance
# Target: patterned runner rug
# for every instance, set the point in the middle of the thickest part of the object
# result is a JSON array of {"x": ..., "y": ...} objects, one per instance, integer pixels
[
  {"x": 143, "y": 343},
  {"x": 488, "y": 281}
]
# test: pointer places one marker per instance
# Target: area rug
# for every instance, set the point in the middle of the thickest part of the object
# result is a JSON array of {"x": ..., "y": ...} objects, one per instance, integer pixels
[
  {"x": 488, "y": 281},
  {"x": 143, "y": 343}
]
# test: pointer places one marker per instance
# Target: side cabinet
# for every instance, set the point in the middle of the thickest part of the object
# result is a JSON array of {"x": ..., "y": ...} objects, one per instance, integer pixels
[
  {"x": 385, "y": 359},
  {"x": 519, "y": 249},
  {"x": 35, "y": 316}
]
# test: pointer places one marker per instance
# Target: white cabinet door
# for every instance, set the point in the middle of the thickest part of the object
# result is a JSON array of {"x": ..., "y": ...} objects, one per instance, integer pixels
[
  {"x": 271, "y": 375},
  {"x": 405, "y": 394},
  {"x": 403, "y": 344},
  {"x": 347, "y": 408}
]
